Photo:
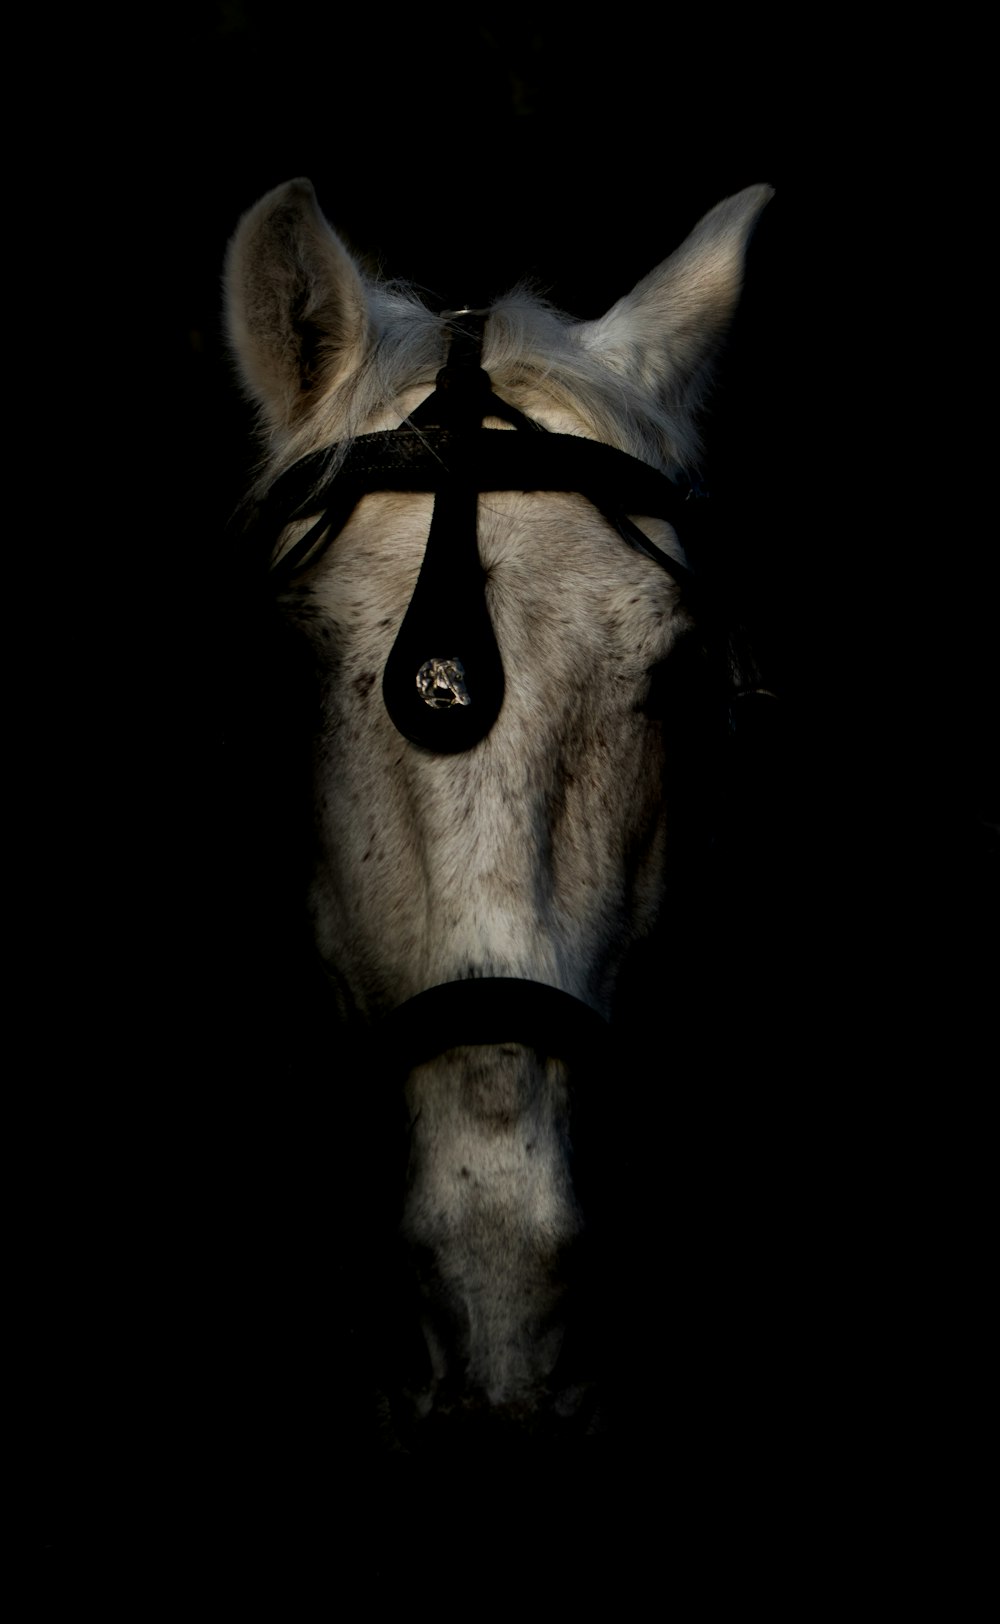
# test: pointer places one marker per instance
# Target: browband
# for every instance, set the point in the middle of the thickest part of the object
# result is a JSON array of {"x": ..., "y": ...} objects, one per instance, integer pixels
[{"x": 490, "y": 460}]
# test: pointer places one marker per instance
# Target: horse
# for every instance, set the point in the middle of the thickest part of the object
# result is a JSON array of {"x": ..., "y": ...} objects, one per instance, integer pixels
[{"x": 473, "y": 531}]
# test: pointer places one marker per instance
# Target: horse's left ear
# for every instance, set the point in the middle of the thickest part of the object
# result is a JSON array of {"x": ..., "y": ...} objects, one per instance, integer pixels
[
  {"x": 670, "y": 328},
  {"x": 296, "y": 312}
]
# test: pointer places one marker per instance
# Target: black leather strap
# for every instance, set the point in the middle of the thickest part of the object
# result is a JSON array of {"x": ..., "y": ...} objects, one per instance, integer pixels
[
  {"x": 494, "y": 1010},
  {"x": 447, "y": 619},
  {"x": 489, "y": 460}
]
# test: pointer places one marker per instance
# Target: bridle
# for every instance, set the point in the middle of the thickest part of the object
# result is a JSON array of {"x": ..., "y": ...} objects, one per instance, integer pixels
[{"x": 443, "y": 683}]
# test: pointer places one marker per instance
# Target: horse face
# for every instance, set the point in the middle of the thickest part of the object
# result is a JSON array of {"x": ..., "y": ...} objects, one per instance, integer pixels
[
  {"x": 542, "y": 853},
  {"x": 538, "y": 854}
]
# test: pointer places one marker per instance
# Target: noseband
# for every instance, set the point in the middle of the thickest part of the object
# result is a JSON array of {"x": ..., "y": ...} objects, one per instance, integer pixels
[{"x": 443, "y": 683}]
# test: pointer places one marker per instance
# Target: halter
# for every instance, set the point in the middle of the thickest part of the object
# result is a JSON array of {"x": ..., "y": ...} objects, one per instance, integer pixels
[{"x": 443, "y": 683}]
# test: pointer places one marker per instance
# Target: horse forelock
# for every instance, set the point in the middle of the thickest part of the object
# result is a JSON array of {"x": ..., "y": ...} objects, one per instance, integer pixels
[
  {"x": 536, "y": 357},
  {"x": 531, "y": 350}
]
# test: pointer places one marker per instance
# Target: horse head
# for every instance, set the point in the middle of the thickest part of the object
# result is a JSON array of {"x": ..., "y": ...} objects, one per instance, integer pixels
[{"x": 472, "y": 525}]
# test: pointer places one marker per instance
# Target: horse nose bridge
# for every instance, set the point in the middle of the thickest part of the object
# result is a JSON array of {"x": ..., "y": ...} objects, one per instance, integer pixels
[
  {"x": 521, "y": 873},
  {"x": 485, "y": 893}
]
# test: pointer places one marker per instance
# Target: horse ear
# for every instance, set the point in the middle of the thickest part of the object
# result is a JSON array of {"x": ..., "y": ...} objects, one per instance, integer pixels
[
  {"x": 670, "y": 328},
  {"x": 295, "y": 304}
]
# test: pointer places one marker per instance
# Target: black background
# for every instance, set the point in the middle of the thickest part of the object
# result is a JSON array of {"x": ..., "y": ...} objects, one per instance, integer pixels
[{"x": 463, "y": 153}]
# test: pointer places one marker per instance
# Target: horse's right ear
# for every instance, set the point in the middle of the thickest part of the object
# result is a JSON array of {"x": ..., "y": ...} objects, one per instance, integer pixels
[{"x": 295, "y": 304}]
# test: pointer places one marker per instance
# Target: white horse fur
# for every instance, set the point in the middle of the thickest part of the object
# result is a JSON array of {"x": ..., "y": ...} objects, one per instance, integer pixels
[{"x": 543, "y": 852}]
